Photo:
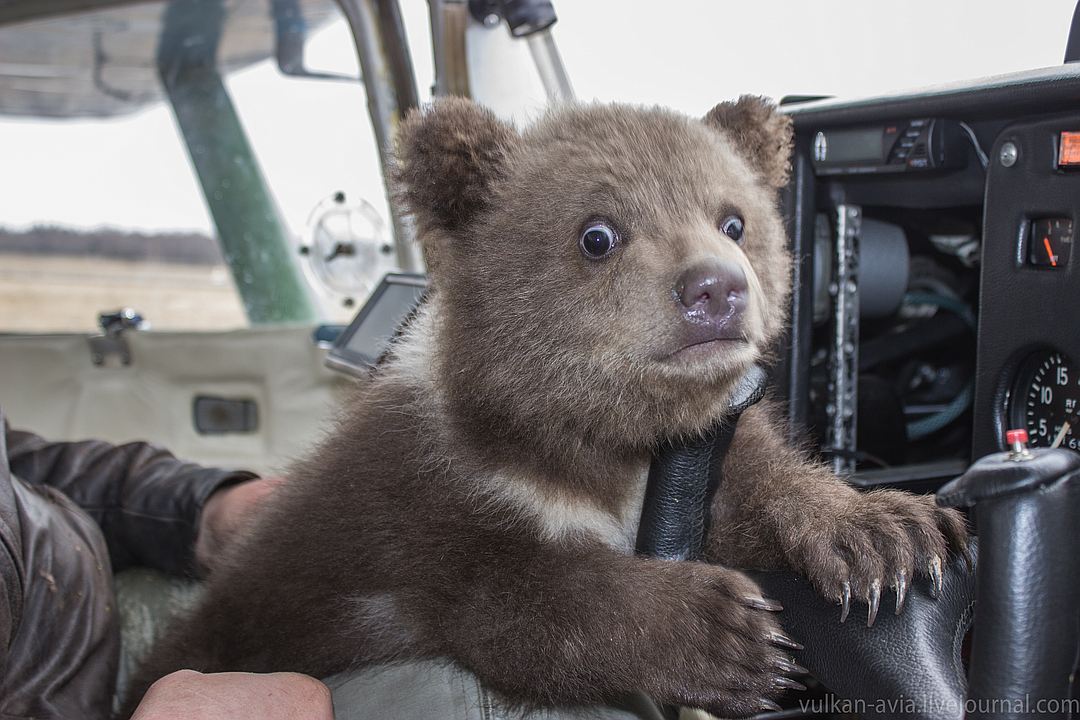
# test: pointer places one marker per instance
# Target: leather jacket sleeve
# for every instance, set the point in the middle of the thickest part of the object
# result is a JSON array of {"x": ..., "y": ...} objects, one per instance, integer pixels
[
  {"x": 11, "y": 574},
  {"x": 147, "y": 502}
]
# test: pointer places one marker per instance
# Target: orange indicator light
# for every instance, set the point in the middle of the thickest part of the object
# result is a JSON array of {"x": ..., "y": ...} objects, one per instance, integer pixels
[{"x": 1069, "y": 149}]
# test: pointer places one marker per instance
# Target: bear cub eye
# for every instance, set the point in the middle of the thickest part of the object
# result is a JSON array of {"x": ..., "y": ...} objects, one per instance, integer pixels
[
  {"x": 598, "y": 240},
  {"x": 732, "y": 226}
]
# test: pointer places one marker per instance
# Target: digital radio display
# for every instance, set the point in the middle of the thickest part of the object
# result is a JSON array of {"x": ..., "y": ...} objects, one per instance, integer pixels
[
  {"x": 861, "y": 145},
  {"x": 901, "y": 146}
]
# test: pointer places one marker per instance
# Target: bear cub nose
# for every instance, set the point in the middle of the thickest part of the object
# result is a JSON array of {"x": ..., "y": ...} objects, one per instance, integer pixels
[{"x": 712, "y": 292}]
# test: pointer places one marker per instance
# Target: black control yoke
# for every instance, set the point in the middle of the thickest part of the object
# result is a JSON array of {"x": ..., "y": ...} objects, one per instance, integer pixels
[
  {"x": 915, "y": 655},
  {"x": 909, "y": 666},
  {"x": 684, "y": 477}
]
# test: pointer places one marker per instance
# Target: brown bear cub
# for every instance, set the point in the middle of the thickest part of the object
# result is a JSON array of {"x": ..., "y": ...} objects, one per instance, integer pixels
[{"x": 599, "y": 283}]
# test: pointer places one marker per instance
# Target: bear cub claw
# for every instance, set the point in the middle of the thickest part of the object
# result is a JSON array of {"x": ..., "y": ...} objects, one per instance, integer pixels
[{"x": 853, "y": 549}]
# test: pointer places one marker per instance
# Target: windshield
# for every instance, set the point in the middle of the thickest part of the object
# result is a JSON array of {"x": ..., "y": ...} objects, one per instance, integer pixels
[
  {"x": 193, "y": 201},
  {"x": 95, "y": 148},
  {"x": 690, "y": 54}
]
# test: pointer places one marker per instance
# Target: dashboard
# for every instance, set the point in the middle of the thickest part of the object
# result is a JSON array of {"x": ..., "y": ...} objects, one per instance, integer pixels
[
  {"x": 937, "y": 299},
  {"x": 1029, "y": 337}
]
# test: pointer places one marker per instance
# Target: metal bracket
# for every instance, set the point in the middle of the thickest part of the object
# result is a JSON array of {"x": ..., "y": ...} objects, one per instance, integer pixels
[
  {"x": 112, "y": 342},
  {"x": 844, "y": 353}
]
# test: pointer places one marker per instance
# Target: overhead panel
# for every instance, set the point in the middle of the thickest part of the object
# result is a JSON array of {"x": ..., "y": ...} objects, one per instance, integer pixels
[{"x": 102, "y": 61}]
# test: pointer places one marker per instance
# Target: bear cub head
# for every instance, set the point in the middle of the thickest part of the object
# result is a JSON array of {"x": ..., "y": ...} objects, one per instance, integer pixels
[{"x": 602, "y": 278}]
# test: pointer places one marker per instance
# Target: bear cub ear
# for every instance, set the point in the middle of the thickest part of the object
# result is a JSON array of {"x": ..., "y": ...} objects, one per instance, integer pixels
[
  {"x": 450, "y": 157},
  {"x": 760, "y": 133}
]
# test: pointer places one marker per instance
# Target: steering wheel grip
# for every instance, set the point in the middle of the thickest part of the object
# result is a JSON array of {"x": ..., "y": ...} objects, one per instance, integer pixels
[{"x": 905, "y": 666}]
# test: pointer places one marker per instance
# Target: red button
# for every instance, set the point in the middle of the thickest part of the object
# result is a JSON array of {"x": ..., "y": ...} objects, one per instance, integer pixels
[{"x": 1016, "y": 436}]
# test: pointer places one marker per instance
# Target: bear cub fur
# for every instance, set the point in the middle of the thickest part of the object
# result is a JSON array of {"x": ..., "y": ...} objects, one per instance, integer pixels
[{"x": 600, "y": 281}]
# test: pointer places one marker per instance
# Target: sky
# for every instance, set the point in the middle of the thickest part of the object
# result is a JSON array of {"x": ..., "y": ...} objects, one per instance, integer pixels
[{"x": 313, "y": 138}]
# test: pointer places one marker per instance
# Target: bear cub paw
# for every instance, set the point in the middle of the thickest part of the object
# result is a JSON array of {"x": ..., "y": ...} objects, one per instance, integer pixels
[
  {"x": 873, "y": 542},
  {"x": 730, "y": 656}
]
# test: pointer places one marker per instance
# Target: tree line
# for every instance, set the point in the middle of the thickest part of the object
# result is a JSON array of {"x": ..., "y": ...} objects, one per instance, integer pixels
[{"x": 192, "y": 248}]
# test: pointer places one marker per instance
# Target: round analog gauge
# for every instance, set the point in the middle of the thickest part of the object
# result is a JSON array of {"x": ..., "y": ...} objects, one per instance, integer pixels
[{"x": 1045, "y": 400}]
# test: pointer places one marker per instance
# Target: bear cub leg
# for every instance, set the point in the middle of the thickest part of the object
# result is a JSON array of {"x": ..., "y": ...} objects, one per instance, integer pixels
[{"x": 592, "y": 629}]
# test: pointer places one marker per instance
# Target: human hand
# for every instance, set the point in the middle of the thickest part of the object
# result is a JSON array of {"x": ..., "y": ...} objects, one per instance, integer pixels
[
  {"x": 226, "y": 513},
  {"x": 189, "y": 695}
]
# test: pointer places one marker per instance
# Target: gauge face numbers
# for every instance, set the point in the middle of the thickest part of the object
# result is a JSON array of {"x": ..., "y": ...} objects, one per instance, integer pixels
[
  {"x": 1045, "y": 400},
  {"x": 1050, "y": 243}
]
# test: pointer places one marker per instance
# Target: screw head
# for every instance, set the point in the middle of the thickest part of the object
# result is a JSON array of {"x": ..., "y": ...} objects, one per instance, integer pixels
[{"x": 1009, "y": 154}]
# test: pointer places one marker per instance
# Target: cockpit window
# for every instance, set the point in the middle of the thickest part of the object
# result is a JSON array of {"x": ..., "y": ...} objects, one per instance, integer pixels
[
  {"x": 692, "y": 54},
  {"x": 208, "y": 163}
]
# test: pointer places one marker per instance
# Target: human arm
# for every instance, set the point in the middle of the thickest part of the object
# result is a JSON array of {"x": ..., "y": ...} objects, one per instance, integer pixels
[
  {"x": 189, "y": 695},
  {"x": 148, "y": 503}
]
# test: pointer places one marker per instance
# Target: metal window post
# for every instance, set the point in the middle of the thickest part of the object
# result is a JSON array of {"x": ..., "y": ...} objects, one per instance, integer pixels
[
  {"x": 379, "y": 36},
  {"x": 252, "y": 234}
]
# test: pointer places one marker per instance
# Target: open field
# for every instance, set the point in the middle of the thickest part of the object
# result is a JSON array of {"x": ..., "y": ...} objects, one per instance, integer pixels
[{"x": 65, "y": 294}]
